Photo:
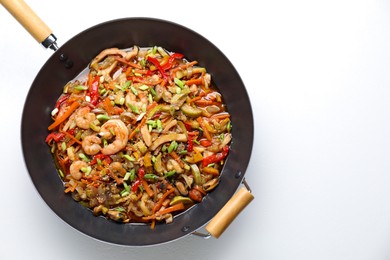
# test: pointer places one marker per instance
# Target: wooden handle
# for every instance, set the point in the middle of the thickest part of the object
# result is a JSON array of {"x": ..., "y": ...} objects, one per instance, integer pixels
[
  {"x": 229, "y": 212},
  {"x": 27, "y": 17}
]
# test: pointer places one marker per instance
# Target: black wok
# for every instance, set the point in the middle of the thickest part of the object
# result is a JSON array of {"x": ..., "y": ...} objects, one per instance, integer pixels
[{"x": 68, "y": 61}]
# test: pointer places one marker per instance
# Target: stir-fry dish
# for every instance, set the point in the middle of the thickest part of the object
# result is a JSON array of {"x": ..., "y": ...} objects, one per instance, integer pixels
[{"x": 141, "y": 136}]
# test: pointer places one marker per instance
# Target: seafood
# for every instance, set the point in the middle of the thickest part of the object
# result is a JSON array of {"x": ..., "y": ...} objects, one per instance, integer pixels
[
  {"x": 76, "y": 168},
  {"x": 84, "y": 117},
  {"x": 116, "y": 129},
  {"x": 143, "y": 137},
  {"x": 91, "y": 144}
]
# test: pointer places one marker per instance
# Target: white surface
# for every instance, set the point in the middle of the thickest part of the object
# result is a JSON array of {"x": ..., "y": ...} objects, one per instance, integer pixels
[{"x": 318, "y": 76}]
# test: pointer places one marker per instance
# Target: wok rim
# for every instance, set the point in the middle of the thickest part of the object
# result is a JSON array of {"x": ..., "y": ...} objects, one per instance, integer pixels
[{"x": 232, "y": 174}]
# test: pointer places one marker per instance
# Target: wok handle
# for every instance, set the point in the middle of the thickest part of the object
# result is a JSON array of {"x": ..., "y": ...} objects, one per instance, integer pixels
[
  {"x": 229, "y": 212},
  {"x": 31, "y": 22}
]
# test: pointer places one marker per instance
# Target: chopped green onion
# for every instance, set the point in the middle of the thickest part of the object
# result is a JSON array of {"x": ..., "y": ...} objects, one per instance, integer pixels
[
  {"x": 153, "y": 92},
  {"x": 172, "y": 146},
  {"x": 151, "y": 123},
  {"x": 135, "y": 92},
  {"x": 102, "y": 117},
  {"x": 94, "y": 127},
  {"x": 144, "y": 87},
  {"x": 126, "y": 85},
  {"x": 133, "y": 176},
  {"x": 102, "y": 91},
  {"x": 128, "y": 157},
  {"x": 179, "y": 82},
  {"x": 120, "y": 209},
  {"x": 81, "y": 87},
  {"x": 86, "y": 170},
  {"x": 63, "y": 146},
  {"x": 154, "y": 50},
  {"x": 127, "y": 176},
  {"x": 61, "y": 173},
  {"x": 164, "y": 148},
  {"x": 78, "y": 135},
  {"x": 229, "y": 126},
  {"x": 159, "y": 125},
  {"x": 133, "y": 108},
  {"x": 126, "y": 186},
  {"x": 150, "y": 176},
  {"x": 169, "y": 174},
  {"x": 150, "y": 98},
  {"x": 196, "y": 141},
  {"x": 83, "y": 157},
  {"x": 143, "y": 108},
  {"x": 182, "y": 152},
  {"x": 124, "y": 193},
  {"x": 143, "y": 62},
  {"x": 99, "y": 161}
]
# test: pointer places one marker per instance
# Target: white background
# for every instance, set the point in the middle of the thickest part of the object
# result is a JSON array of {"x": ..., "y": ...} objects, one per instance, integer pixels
[{"x": 317, "y": 73}]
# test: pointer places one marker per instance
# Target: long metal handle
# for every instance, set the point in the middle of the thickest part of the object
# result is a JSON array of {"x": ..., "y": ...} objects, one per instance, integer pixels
[{"x": 31, "y": 22}]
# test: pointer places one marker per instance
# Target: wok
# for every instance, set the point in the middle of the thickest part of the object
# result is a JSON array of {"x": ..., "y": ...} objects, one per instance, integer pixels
[{"x": 68, "y": 61}]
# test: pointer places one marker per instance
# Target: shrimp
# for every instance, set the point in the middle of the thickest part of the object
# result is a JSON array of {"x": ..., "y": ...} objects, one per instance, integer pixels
[
  {"x": 75, "y": 169},
  {"x": 91, "y": 144},
  {"x": 84, "y": 118},
  {"x": 114, "y": 127}
]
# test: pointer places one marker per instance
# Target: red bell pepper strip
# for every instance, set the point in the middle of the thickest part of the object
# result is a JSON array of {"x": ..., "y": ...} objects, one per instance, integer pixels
[
  {"x": 156, "y": 63},
  {"x": 190, "y": 143},
  {"x": 61, "y": 100},
  {"x": 188, "y": 126},
  {"x": 56, "y": 136},
  {"x": 205, "y": 143},
  {"x": 215, "y": 158},
  {"x": 138, "y": 182},
  {"x": 192, "y": 135},
  {"x": 171, "y": 59},
  {"x": 141, "y": 172},
  {"x": 93, "y": 90},
  {"x": 136, "y": 185},
  {"x": 101, "y": 157}
]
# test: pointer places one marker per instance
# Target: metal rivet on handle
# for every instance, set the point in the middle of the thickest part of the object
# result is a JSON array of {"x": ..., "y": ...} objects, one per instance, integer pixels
[
  {"x": 68, "y": 64},
  {"x": 63, "y": 57}
]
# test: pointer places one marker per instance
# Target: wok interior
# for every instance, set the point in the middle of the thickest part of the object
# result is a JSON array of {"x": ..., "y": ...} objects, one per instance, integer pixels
[{"x": 79, "y": 51}]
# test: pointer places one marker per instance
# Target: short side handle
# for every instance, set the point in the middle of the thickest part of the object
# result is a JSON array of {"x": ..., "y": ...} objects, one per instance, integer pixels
[
  {"x": 229, "y": 212},
  {"x": 30, "y": 21}
]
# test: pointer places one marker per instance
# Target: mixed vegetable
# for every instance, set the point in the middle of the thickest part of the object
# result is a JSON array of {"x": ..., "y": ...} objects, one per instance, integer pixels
[{"x": 141, "y": 136}]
